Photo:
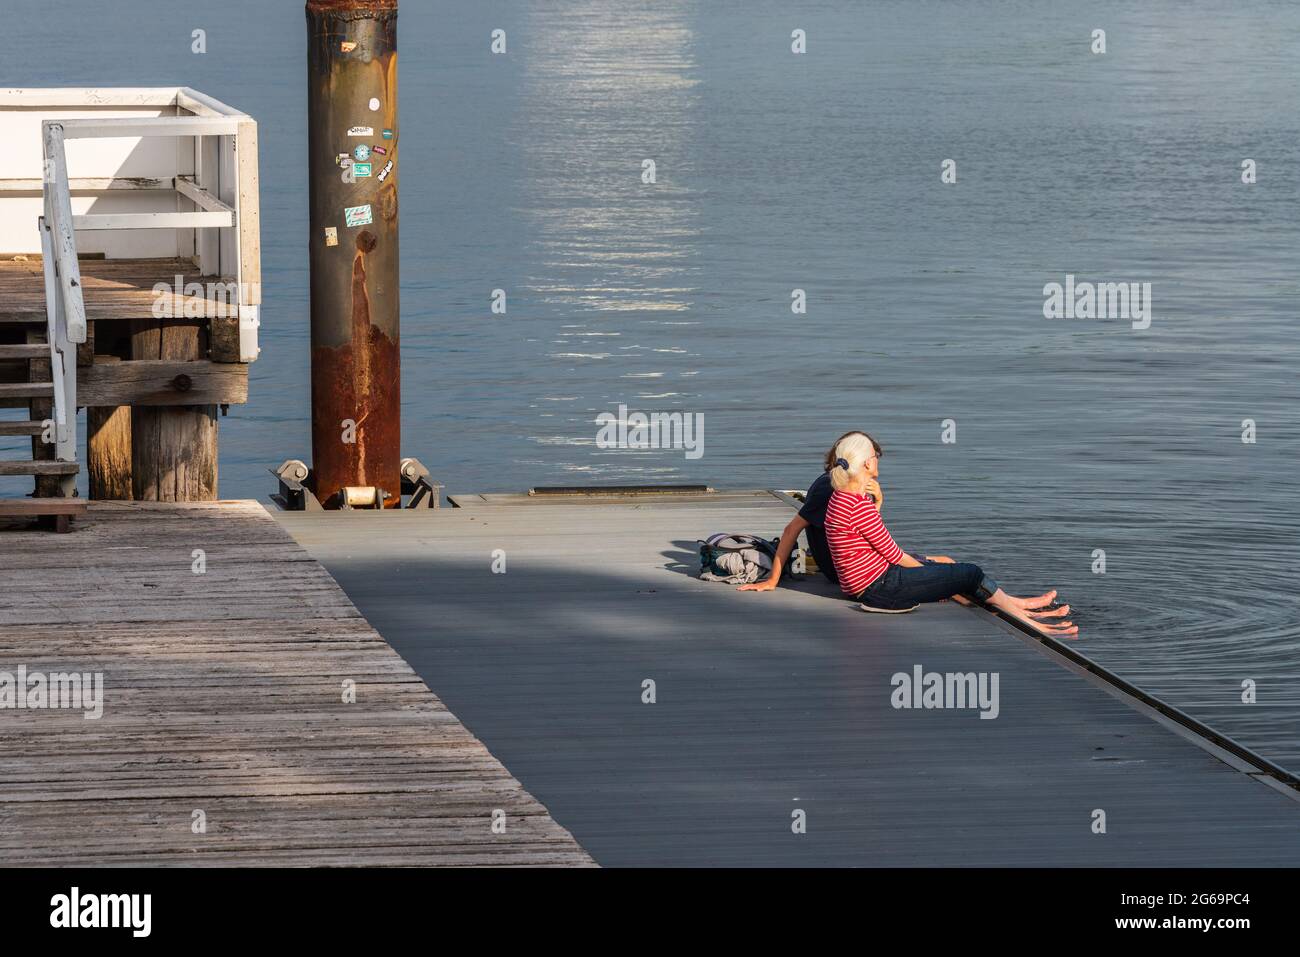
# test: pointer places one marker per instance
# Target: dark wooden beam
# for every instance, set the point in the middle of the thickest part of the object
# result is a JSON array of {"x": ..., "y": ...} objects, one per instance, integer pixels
[
  {"x": 223, "y": 338},
  {"x": 33, "y": 507},
  {"x": 163, "y": 382}
]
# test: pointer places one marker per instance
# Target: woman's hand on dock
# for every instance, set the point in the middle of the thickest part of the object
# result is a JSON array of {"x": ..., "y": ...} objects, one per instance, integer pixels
[{"x": 767, "y": 584}]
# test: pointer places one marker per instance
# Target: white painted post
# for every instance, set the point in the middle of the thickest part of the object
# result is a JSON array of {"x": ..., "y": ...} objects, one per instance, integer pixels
[
  {"x": 248, "y": 240},
  {"x": 63, "y": 364},
  {"x": 207, "y": 242},
  {"x": 59, "y": 205},
  {"x": 52, "y": 325}
]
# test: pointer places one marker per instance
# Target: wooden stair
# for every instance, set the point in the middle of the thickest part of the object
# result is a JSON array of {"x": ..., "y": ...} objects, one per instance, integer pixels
[
  {"x": 56, "y": 513},
  {"x": 21, "y": 427},
  {"x": 28, "y": 350},
  {"x": 35, "y": 467},
  {"x": 19, "y": 394},
  {"x": 36, "y": 395}
]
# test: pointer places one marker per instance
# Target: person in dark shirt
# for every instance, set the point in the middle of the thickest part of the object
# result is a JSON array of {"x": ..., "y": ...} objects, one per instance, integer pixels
[
  {"x": 813, "y": 517},
  {"x": 811, "y": 520}
]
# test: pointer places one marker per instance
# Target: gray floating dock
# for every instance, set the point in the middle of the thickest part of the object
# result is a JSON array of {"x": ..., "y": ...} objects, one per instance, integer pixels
[{"x": 768, "y": 703}]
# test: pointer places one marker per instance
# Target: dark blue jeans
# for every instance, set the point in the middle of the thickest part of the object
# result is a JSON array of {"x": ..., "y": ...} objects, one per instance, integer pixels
[{"x": 901, "y": 587}]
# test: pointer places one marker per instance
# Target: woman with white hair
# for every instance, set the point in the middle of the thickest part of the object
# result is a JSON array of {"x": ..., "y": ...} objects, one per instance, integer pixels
[
  {"x": 884, "y": 578},
  {"x": 811, "y": 522}
]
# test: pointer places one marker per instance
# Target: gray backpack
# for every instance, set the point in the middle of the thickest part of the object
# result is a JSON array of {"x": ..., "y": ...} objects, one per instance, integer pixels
[{"x": 735, "y": 558}]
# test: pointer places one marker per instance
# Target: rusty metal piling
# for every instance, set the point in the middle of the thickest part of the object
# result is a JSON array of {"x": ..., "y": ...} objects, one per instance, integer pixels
[{"x": 352, "y": 138}]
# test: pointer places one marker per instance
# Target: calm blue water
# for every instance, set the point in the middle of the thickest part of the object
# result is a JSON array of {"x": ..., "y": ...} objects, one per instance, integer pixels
[{"x": 821, "y": 172}]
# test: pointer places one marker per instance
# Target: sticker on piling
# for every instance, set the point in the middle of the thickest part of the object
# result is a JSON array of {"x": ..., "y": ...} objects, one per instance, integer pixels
[
  {"x": 347, "y": 46},
  {"x": 383, "y": 173},
  {"x": 379, "y": 149},
  {"x": 374, "y": 104},
  {"x": 358, "y": 215},
  {"x": 362, "y": 131},
  {"x": 361, "y": 169},
  {"x": 343, "y": 159},
  {"x": 362, "y": 153},
  {"x": 331, "y": 235},
  {"x": 388, "y": 134}
]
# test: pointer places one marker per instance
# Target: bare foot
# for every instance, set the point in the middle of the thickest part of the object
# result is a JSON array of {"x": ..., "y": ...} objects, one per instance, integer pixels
[
  {"x": 1039, "y": 601},
  {"x": 1049, "y": 613},
  {"x": 1015, "y": 608},
  {"x": 1065, "y": 629}
]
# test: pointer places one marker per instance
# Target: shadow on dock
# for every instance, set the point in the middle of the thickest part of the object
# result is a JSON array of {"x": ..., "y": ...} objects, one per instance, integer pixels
[{"x": 769, "y": 704}]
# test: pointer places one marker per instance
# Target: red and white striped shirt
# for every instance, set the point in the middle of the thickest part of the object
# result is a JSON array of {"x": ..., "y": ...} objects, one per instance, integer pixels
[{"x": 860, "y": 545}]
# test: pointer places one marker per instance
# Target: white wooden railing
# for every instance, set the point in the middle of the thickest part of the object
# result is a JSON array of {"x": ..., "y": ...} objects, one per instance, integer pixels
[
  {"x": 218, "y": 179},
  {"x": 65, "y": 309}
]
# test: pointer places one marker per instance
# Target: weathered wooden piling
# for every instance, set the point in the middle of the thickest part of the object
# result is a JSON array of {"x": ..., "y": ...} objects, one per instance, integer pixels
[
  {"x": 108, "y": 452},
  {"x": 352, "y": 136},
  {"x": 173, "y": 448}
]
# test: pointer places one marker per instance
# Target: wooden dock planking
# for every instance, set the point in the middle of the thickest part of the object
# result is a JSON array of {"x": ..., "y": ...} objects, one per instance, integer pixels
[
  {"x": 223, "y": 693},
  {"x": 112, "y": 288}
]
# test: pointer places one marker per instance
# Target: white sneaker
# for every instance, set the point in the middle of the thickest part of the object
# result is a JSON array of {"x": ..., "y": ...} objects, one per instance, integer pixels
[{"x": 888, "y": 611}]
